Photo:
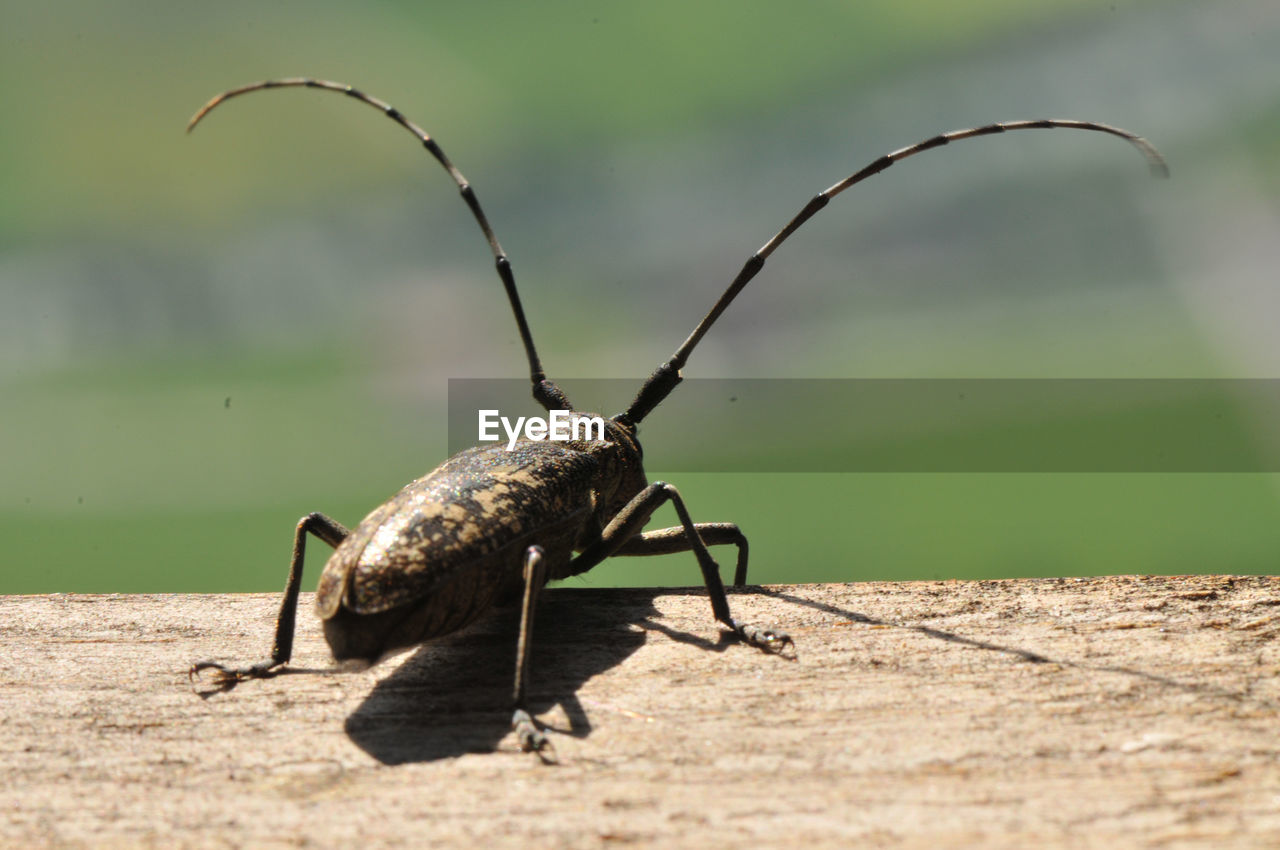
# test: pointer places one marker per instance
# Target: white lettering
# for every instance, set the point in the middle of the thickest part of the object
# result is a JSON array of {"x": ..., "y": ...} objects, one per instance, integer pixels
[
  {"x": 588, "y": 422},
  {"x": 560, "y": 425},
  {"x": 563, "y": 426},
  {"x": 488, "y": 421},
  {"x": 513, "y": 434}
]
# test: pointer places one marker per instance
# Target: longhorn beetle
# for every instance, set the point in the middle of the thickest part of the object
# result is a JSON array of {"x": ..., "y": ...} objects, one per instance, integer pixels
[{"x": 489, "y": 522}]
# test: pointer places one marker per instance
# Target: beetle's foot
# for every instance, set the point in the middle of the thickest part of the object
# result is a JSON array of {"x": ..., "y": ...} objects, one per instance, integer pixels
[
  {"x": 225, "y": 678},
  {"x": 768, "y": 638},
  {"x": 531, "y": 738}
]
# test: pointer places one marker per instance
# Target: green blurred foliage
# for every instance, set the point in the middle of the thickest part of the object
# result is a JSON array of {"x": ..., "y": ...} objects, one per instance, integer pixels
[
  {"x": 205, "y": 337},
  {"x": 95, "y": 95}
]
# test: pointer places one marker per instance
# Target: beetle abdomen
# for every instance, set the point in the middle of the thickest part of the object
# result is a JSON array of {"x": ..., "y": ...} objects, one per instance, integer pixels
[
  {"x": 456, "y": 598},
  {"x": 452, "y": 605},
  {"x": 446, "y": 546}
]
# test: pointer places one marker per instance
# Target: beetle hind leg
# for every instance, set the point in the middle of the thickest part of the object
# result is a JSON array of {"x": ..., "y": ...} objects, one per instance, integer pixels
[
  {"x": 225, "y": 678},
  {"x": 666, "y": 541},
  {"x": 623, "y": 537}
]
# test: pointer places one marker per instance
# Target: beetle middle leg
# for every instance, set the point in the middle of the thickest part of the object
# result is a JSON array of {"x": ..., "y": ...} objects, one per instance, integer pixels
[
  {"x": 622, "y": 536},
  {"x": 225, "y": 678},
  {"x": 532, "y": 739}
]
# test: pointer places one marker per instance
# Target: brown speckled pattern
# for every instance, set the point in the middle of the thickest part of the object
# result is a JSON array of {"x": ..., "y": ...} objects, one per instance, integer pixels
[{"x": 435, "y": 556}]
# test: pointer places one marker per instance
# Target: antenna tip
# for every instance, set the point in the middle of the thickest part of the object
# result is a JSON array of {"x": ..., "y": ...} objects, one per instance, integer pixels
[
  {"x": 1155, "y": 159},
  {"x": 204, "y": 110}
]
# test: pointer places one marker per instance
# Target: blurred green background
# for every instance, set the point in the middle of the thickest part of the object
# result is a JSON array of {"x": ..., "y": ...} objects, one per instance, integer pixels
[{"x": 203, "y": 338}]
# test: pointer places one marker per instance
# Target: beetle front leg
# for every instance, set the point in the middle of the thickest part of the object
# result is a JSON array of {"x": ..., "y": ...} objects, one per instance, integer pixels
[
  {"x": 225, "y": 678},
  {"x": 622, "y": 537},
  {"x": 532, "y": 739}
]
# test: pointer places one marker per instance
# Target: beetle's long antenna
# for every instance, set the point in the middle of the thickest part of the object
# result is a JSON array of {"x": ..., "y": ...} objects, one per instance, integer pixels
[
  {"x": 667, "y": 376},
  {"x": 545, "y": 391}
]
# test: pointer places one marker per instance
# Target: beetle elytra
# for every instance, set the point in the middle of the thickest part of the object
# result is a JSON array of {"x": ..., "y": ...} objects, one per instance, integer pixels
[{"x": 489, "y": 522}]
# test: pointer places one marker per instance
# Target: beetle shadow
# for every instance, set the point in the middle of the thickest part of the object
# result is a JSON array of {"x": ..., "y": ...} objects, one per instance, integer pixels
[
  {"x": 453, "y": 696},
  {"x": 1186, "y": 686}
]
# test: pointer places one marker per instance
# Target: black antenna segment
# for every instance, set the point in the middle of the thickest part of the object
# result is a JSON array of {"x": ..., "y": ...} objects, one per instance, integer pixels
[
  {"x": 545, "y": 391},
  {"x": 667, "y": 376}
]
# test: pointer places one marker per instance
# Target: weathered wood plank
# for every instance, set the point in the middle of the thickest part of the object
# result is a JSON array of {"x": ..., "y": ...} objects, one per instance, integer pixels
[{"x": 1048, "y": 713}]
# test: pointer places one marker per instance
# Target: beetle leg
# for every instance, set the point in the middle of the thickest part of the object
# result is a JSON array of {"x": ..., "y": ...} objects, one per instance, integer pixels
[
  {"x": 225, "y": 678},
  {"x": 622, "y": 536},
  {"x": 532, "y": 739},
  {"x": 668, "y": 541}
]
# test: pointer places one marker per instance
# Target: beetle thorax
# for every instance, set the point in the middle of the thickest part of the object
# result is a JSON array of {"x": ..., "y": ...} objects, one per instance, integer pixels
[{"x": 621, "y": 471}]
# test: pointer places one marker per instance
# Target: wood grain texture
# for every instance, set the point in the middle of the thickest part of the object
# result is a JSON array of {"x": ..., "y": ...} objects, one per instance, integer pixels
[{"x": 1107, "y": 712}]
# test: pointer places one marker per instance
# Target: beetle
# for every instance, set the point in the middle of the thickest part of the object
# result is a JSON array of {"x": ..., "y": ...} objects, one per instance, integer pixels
[{"x": 497, "y": 521}]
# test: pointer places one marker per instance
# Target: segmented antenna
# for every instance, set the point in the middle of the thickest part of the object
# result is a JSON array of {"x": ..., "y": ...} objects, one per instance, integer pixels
[
  {"x": 667, "y": 376},
  {"x": 544, "y": 391}
]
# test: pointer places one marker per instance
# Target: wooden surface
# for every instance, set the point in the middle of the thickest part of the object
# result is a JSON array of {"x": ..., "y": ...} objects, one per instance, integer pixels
[{"x": 1109, "y": 712}]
